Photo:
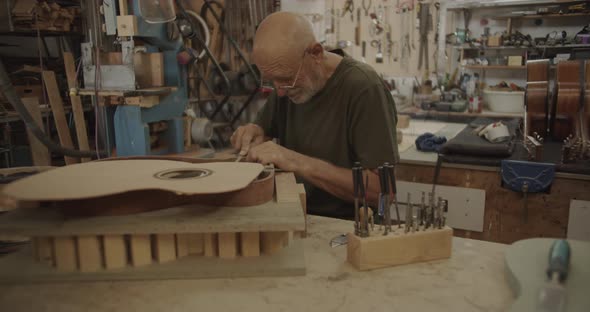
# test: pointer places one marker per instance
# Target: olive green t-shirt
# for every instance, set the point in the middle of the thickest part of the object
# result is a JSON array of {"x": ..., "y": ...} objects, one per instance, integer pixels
[{"x": 353, "y": 118}]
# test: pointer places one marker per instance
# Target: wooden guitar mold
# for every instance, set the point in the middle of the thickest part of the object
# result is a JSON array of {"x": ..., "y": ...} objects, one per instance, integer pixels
[{"x": 130, "y": 186}]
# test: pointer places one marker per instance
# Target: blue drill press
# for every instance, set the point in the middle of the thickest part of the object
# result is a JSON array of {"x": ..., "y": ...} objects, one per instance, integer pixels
[{"x": 131, "y": 22}]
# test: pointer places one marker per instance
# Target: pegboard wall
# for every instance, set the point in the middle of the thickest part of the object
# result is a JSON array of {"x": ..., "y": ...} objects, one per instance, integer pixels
[{"x": 336, "y": 25}]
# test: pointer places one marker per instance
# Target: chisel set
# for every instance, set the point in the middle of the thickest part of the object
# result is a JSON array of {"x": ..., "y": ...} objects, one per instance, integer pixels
[
  {"x": 418, "y": 217},
  {"x": 423, "y": 237}
]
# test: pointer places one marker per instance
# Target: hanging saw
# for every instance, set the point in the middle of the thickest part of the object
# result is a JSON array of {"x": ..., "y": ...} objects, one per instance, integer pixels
[{"x": 425, "y": 28}]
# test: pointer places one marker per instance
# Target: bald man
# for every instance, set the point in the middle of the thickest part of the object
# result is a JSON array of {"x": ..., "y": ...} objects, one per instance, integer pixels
[{"x": 327, "y": 111}]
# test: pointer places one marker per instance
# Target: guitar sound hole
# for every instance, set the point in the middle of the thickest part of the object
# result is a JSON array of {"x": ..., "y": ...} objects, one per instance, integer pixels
[{"x": 180, "y": 174}]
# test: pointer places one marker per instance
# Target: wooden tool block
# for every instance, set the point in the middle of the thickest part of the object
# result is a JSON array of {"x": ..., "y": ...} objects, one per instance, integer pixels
[
  {"x": 164, "y": 247},
  {"x": 210, "y": 244},
  {"x": 89, "y": 253},
  {"x": 126, "y": 25},
  {"x": 115, "y": 253},
  {"x": 228, "y": 245},
  {"x": 378, "y": 251},
  {"x": 140, "y": 249},
  {"x": 65, "y": 253},
  {"x": 196, "y": 244},
  {"x": 272, "y": 242},
  {"x": 44, "y": 249},
  {"x": 250, "y": 244},
  {"x": 181, "y": 245}
]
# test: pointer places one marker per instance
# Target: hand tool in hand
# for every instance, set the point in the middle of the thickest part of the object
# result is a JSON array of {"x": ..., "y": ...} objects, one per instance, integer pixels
[
  {"x": 356, "y": 181},
  {"x": 349, "y": 7},
  {"x": 391, "y": 175},
  {"x": 384, "y": 183},
  {"x": 552, "y": 296}
]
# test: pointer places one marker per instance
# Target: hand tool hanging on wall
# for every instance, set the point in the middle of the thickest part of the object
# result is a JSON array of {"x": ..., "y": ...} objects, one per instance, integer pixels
[
  {"x": 425, "y": 27},
  {"x": 366, "y": 6},
  {"x": 349, "y": 8},
  {"x": 357, "y": 29},
  {"x": 405, "y": 10},
  {"x": 379, "y": 55},
  {"x": 436, "y": 36},
  {"x": 364, "y": 50}
]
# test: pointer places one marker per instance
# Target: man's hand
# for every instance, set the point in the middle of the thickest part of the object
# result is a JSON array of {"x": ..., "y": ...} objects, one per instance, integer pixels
[
  {"x": 247, "y": 136},
  {"x": 281, "y": 157}
]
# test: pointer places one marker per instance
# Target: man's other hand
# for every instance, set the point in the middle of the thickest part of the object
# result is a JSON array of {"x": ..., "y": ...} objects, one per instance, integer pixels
[
  {"x": 272, "y": 153},
  {"x": 247, "y": 136}
]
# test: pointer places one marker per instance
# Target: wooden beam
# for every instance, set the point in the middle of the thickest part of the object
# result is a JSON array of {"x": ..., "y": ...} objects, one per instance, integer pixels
[
  {"x": 39, "y": 152},
  {"x": 57, "y": 107},
  {"x": 210, "y": 244},
  {"x": 250, "y": 244},
  {"x": 64, "y": 248},
  {"x": 164, "y": 247},
  {"x": 181, "y": 245},
  {"x": 228, "y": 245},
  {"x": 89, "y": 253},
  {"x": 272, "y": 242},
  {"x": 44, "y": 249},
  {"x": 140, "y": 249},
  {"x": 115, "y": 253},
  {"x": 123, "y": 7},
  {"x": 77, "y": 109},
  {"x": 196, "y": 244}
]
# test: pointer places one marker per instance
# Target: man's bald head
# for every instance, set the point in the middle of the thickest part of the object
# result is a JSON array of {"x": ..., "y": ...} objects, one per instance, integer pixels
[{"x": 281, "y": 38}]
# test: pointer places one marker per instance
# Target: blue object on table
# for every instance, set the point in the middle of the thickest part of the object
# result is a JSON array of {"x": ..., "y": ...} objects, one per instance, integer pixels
[{"x": 429, "y": 142}]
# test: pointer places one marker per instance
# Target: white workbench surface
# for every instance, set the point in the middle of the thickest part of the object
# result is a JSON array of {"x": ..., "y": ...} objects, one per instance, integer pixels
[
  {"x": 411, "y": 155},
  {"x": 471, "y": 280}
]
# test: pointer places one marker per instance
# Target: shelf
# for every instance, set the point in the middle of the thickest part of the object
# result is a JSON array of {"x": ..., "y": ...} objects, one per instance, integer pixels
[
  {"x": 416, "y": 112},
  {"x": 138, "y": 92},
  {"x": 567, "y": 46},
  {"x": 537, "y": 16},
  {"x": 494, "y": 67},
  {"x": 33, "y": 33}
]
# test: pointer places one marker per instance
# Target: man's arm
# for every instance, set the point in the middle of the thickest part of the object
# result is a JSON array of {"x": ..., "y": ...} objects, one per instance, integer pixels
[{"x": 333, "y": 179}]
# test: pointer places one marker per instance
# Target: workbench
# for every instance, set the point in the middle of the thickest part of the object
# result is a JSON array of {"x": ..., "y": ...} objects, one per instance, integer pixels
[
  {"x": 548, "y": 213},
  {"x": 471, "y": 280}
]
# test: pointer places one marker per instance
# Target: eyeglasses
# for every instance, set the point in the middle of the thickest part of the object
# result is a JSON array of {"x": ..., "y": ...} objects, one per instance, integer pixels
[{"x": 292, "y": 86}]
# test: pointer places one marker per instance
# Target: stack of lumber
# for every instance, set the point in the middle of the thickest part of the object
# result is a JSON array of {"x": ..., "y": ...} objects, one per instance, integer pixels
[{"x": 33, "y": 14}]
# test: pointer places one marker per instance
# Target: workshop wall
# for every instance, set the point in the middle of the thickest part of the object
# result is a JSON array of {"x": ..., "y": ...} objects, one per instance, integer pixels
[{"x": 400, "y": 24}]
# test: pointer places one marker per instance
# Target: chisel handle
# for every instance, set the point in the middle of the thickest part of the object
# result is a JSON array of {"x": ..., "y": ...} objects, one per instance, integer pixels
[
  {"x": 383, "y": 180},
  {"x": 559, "y": 260}
]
